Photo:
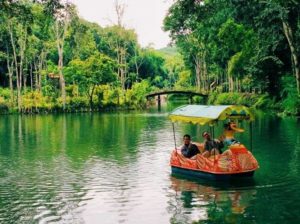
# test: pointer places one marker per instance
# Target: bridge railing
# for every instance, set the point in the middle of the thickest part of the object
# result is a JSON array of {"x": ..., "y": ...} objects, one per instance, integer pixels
[{"x": 176, "y": 91}]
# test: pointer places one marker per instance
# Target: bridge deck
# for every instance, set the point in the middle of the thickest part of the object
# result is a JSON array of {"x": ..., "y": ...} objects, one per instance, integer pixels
[{"x": 166, "y": 92}]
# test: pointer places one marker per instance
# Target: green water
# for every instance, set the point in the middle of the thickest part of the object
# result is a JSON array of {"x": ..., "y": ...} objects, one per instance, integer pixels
[{"x": 114, "y": 168}]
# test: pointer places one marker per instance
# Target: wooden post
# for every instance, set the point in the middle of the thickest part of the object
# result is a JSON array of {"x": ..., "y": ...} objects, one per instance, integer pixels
[
  {"x": 158, "y": 103},
  {"x": 191, "y": 99}
]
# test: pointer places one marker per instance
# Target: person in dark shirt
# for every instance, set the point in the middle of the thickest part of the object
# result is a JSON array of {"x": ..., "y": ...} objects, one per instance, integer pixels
[
  {"x": 211, "y": 146},
  {"x": 188, "y": 149}
]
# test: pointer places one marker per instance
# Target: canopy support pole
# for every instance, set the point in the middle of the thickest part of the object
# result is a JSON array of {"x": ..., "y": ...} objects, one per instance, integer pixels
[
  {"x": 212, "y": 131},
  {"x": 174, "y": 135},
  {"x": 251, "y": 137}
]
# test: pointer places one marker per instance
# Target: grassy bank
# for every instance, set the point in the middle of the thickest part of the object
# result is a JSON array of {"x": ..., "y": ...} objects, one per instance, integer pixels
[
  {"x": 103, "y": 98},
  {"x": 288, "y": 105}
]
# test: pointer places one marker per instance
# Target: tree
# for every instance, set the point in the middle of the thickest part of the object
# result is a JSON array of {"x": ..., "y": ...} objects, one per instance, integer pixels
[
  {"x": 96, "y": 70},
  {"x": 122, "y": 44},
  {"x": 254, "y": 42},
  {"x": 152, "y": 67},
  {"x": 193, "y": 26},
  {"x": 63, "y": 18},
  {"x": 18, "y": 19},
  {"x": 173, "y": 65}
]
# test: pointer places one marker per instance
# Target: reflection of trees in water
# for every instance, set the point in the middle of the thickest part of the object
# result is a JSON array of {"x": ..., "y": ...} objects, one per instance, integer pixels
[
  {"x": 289, "y": 129},
  {"x": 196, "y": 202},
  {"x": 110, "y": 136},
  {"x": 51, "y": 161}
]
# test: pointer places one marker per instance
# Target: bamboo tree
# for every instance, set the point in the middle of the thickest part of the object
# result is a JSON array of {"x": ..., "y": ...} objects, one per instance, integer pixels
[
  {"x": 137, "y": 63},
  {"x": 62, "y": 21},
  {"x": 18, "y": 64},
  {"x": 10, "y": 75},
  {"x": 294, "y": 54}
]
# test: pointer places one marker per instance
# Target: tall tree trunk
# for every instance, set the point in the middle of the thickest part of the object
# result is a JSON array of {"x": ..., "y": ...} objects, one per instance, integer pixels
[
  {"x": 295, "y": 60},
  {"x": 42, "y": 59},
  {"x": 16, "y": 65},
  {"x": 90, "y": 95},
  {"x": 22, "y": 43},
  {"x": 31, "y": 78},
  {"x": 36, "y": 79},
  {"x": 137, "y": 65},
  {"x": 230, "y": 83},
  {"x": 198, "y": 72},
  {"x": 25, "y": 77},
  {"x": 122, "y": 65},
  {"x": 60, "y": 48},
  {"x": 61, "y": 77},
  {"x": 204, "y": 70},
  {"x": 10, "y": 75}
]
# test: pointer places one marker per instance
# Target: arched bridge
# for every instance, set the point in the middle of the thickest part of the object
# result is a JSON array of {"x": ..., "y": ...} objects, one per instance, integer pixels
[
  {"x": 190, "y": 94},
  {"x": 182, "y": 92}
]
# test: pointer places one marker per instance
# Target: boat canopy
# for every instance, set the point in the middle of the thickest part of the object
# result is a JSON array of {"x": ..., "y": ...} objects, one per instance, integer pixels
[{"x": 203, "y": 114}]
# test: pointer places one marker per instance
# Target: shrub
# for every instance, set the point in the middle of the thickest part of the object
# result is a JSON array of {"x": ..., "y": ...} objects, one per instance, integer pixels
[
  {"x": 227, "y": 98},
  {"x": 78, "y": 102},
  {"x": 5, "y": 93},
  {"x": 136, "y": 96},
  {"x": 3, "y": 106},
  {"x": 34, "y": 101},
  {"x": 290, "y": 103}
]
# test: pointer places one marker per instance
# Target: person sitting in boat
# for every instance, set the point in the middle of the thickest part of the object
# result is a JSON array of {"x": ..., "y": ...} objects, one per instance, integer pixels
[
  {"x": 211, "y": 146},
  {"x": 188, "y": 149},
  {"x": 229, "y": 130}
]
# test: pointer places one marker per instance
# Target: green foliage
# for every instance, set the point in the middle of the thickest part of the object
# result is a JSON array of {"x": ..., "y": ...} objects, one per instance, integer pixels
[
  {"x": 93, "y": 57},
  {"x": 243, "y": 45},
  {"x": 152, "y": 67},
  {"x": 227, "y": 98},
  {"x": 248, "y": 99},
  {"x": 77, "y": 103},
  {"x": 265, "y": 102},
  {"x": 173, "y": 65},
  {"x": 198, "y": 99},
  {"x": 4, "y": 93},
  {"x": 113, "y": 97},
  {"x": 3, "y": 106},
  {"x": 290, "y": 102},
  {"x": 184, "y": 80},
  {"x": 219, "y": 46},
  {"x": 34, "y": 101},
  {"x": 136, "y": 96},
  {"x": 233, "y": 64}
]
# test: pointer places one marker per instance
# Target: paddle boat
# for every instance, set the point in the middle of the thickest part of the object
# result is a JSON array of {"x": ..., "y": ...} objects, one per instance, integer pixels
[{"x": 234, "y": 163}]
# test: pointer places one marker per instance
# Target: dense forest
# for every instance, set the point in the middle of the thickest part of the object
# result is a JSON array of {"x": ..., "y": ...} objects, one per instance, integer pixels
[
  {"x": 236, "y": 51},
  {"x": 241, "y": 51}
]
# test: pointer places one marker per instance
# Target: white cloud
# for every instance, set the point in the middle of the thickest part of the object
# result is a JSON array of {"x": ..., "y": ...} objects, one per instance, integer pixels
[{"x": 145, "y": 16}]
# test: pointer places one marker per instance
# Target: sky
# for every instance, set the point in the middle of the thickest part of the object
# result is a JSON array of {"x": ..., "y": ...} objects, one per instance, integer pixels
[{"x": 144, "y": 16}]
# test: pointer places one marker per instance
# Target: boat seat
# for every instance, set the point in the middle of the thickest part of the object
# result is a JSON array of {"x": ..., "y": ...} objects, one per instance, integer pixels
[{"x": 200, "y": 146}]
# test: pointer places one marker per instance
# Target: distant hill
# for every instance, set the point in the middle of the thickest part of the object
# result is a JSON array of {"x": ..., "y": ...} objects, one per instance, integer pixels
[{"x": 168, "y": 51}]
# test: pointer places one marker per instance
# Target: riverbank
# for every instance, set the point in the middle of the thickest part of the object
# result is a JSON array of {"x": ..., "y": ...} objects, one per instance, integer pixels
[
  {"x": 103, "y": 98},
  {"x": 135, "y": 99},
  {"x": 286, "y": 106}
]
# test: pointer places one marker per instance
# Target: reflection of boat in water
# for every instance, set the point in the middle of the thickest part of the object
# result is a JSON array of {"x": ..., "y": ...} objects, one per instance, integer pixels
[
  {"x": 225, "y": 204},
  {"x": 236, "y": 162}
]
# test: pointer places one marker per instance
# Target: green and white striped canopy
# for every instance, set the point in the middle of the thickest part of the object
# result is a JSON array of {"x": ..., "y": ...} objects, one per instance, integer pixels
[{"x": 203, "y": 114}]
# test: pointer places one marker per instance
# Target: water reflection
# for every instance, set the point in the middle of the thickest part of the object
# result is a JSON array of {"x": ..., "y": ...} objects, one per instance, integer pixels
[
  {"x": 218, "y": 202},
  {"x": 54, "y": 168},
  {"x": 114, "y": 168}
]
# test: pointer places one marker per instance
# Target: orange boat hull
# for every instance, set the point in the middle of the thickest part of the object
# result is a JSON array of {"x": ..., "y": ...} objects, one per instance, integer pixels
[{"x": 235, "y": 162}]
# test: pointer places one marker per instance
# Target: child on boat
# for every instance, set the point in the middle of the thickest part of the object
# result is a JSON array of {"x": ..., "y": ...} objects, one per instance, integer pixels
[{"x": 229, "y": 130}]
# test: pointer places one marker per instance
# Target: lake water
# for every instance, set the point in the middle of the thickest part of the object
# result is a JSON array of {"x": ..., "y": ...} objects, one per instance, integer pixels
[{"x": 114, "y": 168}]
